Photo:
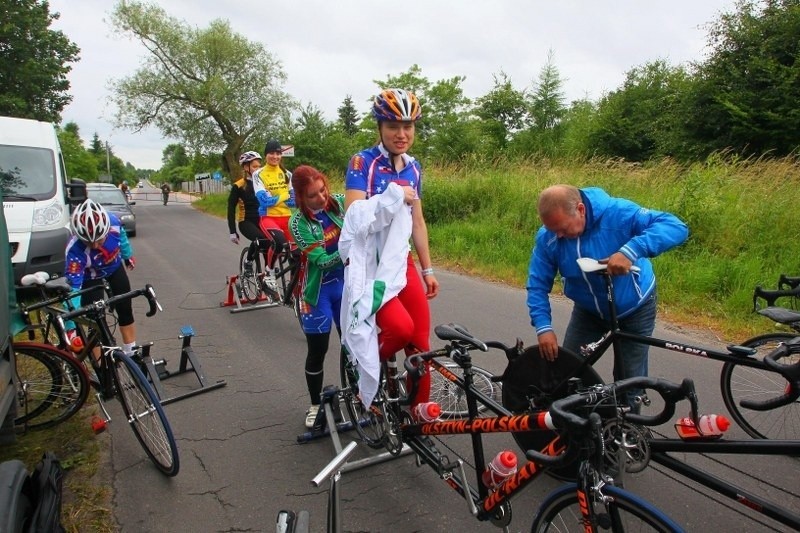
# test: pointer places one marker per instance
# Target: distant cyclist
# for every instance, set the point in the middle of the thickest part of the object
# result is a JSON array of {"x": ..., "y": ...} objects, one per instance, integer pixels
[
  {"x": 165, "y": 190},
  {"x": 243, "y": 204},
  {"x": 96, "y": 253},
  {"x": 125, "y": 189},
  {"x": 272, "y": 184}
]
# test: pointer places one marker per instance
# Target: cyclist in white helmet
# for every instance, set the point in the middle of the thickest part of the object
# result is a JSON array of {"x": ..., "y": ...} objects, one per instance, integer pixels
[
  {"x": 97, "y": 252},
  {"x": 243, "y": 204}
]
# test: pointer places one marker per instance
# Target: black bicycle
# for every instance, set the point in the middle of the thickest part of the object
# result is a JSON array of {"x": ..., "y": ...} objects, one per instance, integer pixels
[
  {"x": 387, "y": 424},
  {"x": 763, "y": 399},
  {"x": 279, "y": 285},
  {"x": 119, "y": 375},
  {"x": 617, "y": 435}
]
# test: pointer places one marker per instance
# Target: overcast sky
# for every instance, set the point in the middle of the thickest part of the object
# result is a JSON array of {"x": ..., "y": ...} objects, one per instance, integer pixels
[{"x": 332, "y": 48}]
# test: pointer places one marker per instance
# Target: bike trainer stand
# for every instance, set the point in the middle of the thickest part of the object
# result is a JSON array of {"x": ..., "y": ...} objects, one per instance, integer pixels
[
  {"x": 234, "y": 298},
  {"x": 157, "y": 371},
  {"x": 329, "y": 422}
]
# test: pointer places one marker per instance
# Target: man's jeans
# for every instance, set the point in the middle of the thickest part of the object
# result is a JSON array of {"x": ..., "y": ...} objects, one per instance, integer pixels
[{"x": 585, "y": 327}]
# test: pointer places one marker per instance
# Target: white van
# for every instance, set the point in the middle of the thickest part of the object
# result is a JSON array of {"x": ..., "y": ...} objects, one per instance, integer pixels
[{"x": 36, "y": 195}]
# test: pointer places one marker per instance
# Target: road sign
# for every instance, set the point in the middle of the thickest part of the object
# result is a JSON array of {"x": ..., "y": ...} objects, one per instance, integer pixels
[
  {"x": 287, "y": 150},
  {"x": 217, "y": 175},
  {"x": 203, "y": 176}
]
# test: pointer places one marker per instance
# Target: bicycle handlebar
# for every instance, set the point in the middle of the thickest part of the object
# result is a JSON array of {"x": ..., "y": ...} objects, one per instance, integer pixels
[
  {"x": 99, "y": 305},
  {"x": 792, "y": 282},
  {"x": 564, "y": 416},
  {"x": 771, "y": 295}
]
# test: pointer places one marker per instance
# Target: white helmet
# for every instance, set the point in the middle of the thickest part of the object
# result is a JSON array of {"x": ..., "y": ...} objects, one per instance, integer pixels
[
  {"x": 248, "y": 156},
  {"x": 90, "y": 221}
]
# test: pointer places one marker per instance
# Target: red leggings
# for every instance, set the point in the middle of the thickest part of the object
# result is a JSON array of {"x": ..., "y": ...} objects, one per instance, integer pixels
[
  {"x": 277, "y": 230},
  {"x": 405, "y": 324}
]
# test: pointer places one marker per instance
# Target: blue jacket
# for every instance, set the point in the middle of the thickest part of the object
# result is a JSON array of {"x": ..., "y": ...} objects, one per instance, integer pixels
[{"x": 612, "y": 225}]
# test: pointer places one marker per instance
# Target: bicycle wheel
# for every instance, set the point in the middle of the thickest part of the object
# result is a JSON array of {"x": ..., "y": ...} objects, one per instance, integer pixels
[
  {"x": 739, "y": 382},
  {"x": 622, "y": 511},
  {"x": 452, "y": 398},
  {"x": 53, "y": 385},
  {"x": 370, "y": 424},
  {"x": 532, "y": 382},
  {"x": 248, "y": 278},
  {"x": 145, "y": 414},
  {"x": 49, "y": 331}
]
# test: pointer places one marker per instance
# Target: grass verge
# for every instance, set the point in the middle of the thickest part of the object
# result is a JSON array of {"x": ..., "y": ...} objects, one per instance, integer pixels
[{"x": 84, "y": 456}]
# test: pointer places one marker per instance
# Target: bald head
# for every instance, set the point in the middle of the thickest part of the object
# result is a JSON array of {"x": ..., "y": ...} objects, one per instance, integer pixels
[
  {"x": 559, "y": 197},
  {"x": 562, "y": 211}
]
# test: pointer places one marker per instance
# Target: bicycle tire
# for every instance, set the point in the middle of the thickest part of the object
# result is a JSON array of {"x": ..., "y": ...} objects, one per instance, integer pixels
[
  {"x": 145, "y": 415},
  {"x": 452, "y": 398},
  {"x": 561, "y": 511},
  {"x": 368, "y": 423},
  {"x": 739, "y": 382},
  {"x": 17, "y": 508},
  {"x": 531, "y": 372},
  {"x": 249, "y": 282},
  {"x": 53, "y": 385}
]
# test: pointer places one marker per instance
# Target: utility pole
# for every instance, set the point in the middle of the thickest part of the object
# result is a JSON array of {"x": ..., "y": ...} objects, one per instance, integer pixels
[{"x": 108, "y": 163}]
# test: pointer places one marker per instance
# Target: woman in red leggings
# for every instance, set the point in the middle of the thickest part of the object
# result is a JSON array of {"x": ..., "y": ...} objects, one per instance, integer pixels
[{"x": 405, "y": 320}]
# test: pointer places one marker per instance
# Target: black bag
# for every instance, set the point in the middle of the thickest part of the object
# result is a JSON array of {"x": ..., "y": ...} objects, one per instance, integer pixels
[{"x": 45, "y": 490}]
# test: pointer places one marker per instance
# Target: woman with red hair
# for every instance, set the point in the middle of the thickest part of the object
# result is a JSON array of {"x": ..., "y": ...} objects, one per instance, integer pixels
[{"x": 315, "y": 228}]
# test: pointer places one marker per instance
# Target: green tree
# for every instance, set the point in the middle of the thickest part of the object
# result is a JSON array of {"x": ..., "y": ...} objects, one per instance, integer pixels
[
  {"x": 547, "y": 98},
  {"x": 33, "y": 61},
  {"x": 78, "y": 161},
  {"x": 644, "y": 118},
  {"x": 747, "y": 92},
  {"x": 211, "y": 88},
  {"x": 348, "y": 116},
  {"x": 321, "y": 144},
  {"x": 503, "y": 110}
]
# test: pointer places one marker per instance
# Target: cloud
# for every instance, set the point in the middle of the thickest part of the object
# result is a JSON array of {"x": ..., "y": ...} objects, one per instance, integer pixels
[{"x": 333, "y": 49}]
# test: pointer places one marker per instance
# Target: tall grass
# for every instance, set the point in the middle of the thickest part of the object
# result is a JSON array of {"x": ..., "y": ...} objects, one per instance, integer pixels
[
  {"x": 744, "y": 226},
  {"x": 742, "y": 216}
]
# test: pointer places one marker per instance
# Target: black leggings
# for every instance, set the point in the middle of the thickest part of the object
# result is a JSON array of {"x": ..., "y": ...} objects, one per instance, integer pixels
[
  {"x": 118, "y": 283},
  {"x": 251, "y": 231},
  {"x": 315, "y": 359}
]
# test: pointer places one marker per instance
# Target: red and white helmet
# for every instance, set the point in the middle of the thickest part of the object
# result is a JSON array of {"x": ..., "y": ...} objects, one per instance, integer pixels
[
  {"x": 248, "y": 156},
  {"x": 90, "y": 221}
]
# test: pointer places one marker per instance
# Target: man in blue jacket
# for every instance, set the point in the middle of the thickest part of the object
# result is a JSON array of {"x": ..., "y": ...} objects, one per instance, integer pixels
[{"x": 590, "y": 223}]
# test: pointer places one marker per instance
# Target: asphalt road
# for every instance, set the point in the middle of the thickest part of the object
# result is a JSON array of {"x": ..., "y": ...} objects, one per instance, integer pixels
[{"x": 240, "y": 462}]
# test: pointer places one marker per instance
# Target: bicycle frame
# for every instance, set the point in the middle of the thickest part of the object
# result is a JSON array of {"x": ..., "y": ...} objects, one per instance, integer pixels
[
  {"x": 488, "y": 505},
  {"x": 659, "y": 453},
  {"x": 739, "y": 355}
]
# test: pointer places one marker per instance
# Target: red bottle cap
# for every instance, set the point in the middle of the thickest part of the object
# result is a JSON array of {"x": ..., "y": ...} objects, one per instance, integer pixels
[
  {"x": 723, "y": 423},
  {"x": 508, "y": 459},
  {"x": 433, "y": 409}
]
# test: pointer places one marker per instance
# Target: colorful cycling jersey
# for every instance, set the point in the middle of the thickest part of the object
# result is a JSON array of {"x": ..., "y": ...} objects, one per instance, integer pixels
[
  {"x": 318, "y": 239},
  {"x": 271, "y": 185},
  {"x": 371, "y": 171},
  {"x": 83, "y": 261}
]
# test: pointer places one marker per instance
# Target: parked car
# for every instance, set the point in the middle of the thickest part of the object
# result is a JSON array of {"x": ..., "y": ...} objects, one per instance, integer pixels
[{"x": 114, "y": 200}]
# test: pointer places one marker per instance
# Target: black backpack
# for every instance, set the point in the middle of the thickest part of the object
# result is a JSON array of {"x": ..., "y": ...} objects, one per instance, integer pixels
[{"x": 44, "y": 489}]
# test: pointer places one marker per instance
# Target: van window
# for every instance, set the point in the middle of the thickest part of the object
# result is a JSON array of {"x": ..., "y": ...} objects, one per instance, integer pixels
[{"x": 27, "y": 173}]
